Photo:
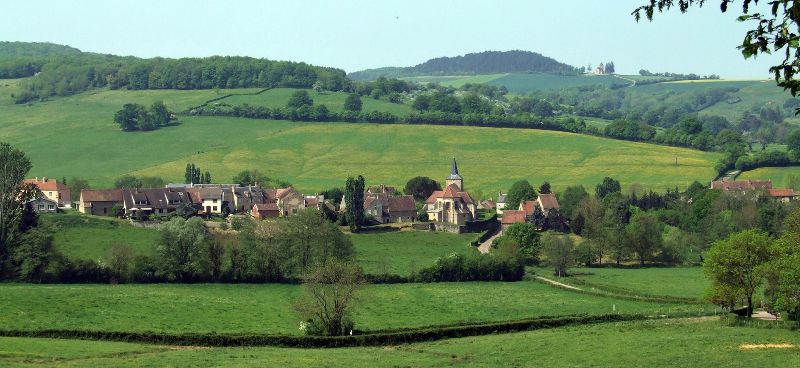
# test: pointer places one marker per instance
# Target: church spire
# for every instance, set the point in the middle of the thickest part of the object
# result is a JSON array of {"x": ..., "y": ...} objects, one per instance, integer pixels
[
  {"x": 454, "y": 168},
  {"x": 454, "y": 177}
]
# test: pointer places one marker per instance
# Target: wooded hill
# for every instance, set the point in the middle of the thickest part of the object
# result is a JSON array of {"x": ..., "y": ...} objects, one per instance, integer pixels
[
  {"x": 487, "y": 62},
  {"x": 61, "y": 71}
]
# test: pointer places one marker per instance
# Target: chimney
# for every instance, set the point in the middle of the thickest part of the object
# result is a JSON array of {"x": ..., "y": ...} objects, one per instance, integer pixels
[{"x": 44, "y": 179}]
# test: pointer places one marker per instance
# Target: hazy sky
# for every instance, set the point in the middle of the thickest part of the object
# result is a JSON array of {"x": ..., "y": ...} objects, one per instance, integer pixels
[{"x": 355, "y": 35}]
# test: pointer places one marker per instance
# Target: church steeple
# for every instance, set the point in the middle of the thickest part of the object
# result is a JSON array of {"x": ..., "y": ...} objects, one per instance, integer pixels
[{"x": 454, "y": 177}]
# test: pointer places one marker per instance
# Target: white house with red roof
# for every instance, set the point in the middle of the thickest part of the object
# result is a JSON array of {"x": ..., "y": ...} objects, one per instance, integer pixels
[
  {"x": 453, "y": 204},
  {"x": 52, "y": 190}
]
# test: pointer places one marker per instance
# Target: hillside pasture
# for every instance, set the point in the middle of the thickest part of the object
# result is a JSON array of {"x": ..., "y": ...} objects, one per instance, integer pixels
[
  {"x": 782, "y": 177},
  {"x": 76, "y": 137},
  {"x": 334, "y": 101},
  {"x": 687, "y": 342},
  {"x": 267, "y": 308},
  {"x": 525, "y": 83},
  {"x": 91, "y": 237},
  {"x": 456, "y": 81},
  {"x": 402, "y": 252},
  {"x": 682, "y": 282}
]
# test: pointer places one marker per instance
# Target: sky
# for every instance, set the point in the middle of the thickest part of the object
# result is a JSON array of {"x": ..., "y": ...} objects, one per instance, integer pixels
[{"x": 355, "y": 35}]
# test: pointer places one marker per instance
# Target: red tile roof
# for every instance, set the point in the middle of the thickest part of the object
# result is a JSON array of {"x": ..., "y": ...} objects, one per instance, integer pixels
[
  {"x": 46, "y": 184},
  {"x": 782, "y": 192},
  {"x": 527, "y": 207},
  {"x": 741, "y": 184},
  {"x": 512, "y": 217}
]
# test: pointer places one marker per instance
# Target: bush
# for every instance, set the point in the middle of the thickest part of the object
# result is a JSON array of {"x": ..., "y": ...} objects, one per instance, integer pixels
[{"x": 473, "y": 267}]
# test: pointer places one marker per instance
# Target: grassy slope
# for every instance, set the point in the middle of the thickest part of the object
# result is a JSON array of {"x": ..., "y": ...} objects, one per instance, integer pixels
[
  {"x": 667, "y": 343},
  {"x": 686, "y": 282},
  {"x": 402, "y": 252},
  {"x": 334, "y": 101},
  {"x": 91, "y": 237},
  {"x": 75, "y": 136},
  {"x": 456, "y": 80},
  {"x": 781, "y": 176},
  {"x": 267, "y": 308},
  {"x": 524, "y": 83}
]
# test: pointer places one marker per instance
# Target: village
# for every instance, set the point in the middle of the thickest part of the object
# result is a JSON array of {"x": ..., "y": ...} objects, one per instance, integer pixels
[{"x": 451, "y": 209}]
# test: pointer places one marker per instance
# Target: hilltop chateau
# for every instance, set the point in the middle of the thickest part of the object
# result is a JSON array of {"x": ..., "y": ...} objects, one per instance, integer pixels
[{"x": 453, "y": 204}]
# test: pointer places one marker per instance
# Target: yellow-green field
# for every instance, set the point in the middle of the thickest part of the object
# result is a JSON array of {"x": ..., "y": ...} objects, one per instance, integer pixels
[
  {"x": 782, "y": 177},
  {"x": 76, "y": 137}
]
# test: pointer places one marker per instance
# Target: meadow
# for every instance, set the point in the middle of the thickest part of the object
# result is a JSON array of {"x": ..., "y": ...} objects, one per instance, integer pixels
[
  {"x": 334, "y": 101},
  {"x": 267, "y": 308},
  {"x": 395, "y": 252},
  {"x": 65, "y": 137},
  {"x": 455, "y": 81},
  {"x": 682, "y": 282},
  {"x": 525, "y": 83},
  {"x": 704, "y": 342},
  {"x": 782, "y": 177},
  {"x": 402, "y": 252}
]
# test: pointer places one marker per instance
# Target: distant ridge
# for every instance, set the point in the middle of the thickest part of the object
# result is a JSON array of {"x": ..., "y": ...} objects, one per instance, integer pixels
[{"x": 487, "y": 62}]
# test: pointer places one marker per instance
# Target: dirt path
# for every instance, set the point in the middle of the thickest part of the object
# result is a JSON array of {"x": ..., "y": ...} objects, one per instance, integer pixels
[
  {"x": 556, "y": 283},
  {"x": 486, "y": 246}
]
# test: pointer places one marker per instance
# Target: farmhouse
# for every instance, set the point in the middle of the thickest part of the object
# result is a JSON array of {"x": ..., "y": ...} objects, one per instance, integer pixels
[
  {"x": 160, "y": 201},
  {"x": 452, "y": 205},
  {"x": 501, "y": 203},
  {"x": 783, "y": 194},
  {"x": 52, "y": 189},
  {"x": 262, "y": 211},
  {"x": 511, "y": 217},
  {"x": 541, "y": 206},
  {"x": 388, "y": 208},
  {"x": 741, "y": 185},
  {"x": 100, "y": 202},
  {"x": 43, "y": 204}
]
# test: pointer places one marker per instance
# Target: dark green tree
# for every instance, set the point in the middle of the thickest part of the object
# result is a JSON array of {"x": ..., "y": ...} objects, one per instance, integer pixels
[
  {"x": 206, "y": 178},
  {"x": 644, "y": 235},
  {"x": 353, "y": 102},
  {"x": 520, "y": 191},
  {"x": 607, "y": 187},
  {"x": 127, "y": 182},
  {"x": 132, "y": 117},
  {"x": 159, "y": 113},
  {"x": 13, "y": 168},
  {"x": 299, "y": 99},
  {"x": 545, "y": 188},
  {"x": 421, "y": 187},
  {"x": 354, "y": 201}
]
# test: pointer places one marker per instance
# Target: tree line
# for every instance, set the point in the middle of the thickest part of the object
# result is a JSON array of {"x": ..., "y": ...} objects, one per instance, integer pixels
[{"x": 69, "y": 74}]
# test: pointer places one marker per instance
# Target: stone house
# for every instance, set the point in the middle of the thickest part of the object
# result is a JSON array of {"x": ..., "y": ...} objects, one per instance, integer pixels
[
  {"x": 452, "y": 205},
  {"x": 100, "y": 202},
  {"x": 53, "y": 190}
]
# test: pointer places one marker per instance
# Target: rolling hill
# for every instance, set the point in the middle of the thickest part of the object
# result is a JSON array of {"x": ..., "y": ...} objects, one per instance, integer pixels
[
  {"x": 487, "y": 62},
  {"x": 66, "y": 136}
]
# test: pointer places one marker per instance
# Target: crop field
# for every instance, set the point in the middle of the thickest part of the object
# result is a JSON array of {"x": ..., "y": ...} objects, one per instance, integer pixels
[
  {"x": 66, "y": 136},
  {"x": 695, "y": 342},
  {"x": 401, "y": 252},
  {"x": 334, "y": 101},
  {"x": 268, "y": 308},
  {"x": 525, "y": 83},
  {"x": 782, "y": 177}
]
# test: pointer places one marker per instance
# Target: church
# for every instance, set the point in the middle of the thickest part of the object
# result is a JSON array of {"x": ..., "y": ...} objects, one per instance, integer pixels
[{"x": 453, "y": 204}]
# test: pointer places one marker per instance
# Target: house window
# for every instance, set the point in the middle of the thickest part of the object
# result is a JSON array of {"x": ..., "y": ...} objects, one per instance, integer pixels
[
  {"x": 214, "y": 208},
  {"x": 213, "y": 201},
  {"x": 41, "y": 207},
  {"x": 51, "y": 207},
  {"x": 49, "y": 194},
  {"x": 105, "y": 210}
]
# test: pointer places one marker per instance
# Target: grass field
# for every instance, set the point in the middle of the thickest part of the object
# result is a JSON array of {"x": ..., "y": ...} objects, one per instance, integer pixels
[
  {"x": 267, "y": 308},
  {"x": 665, "y": 343},
  {"x": 68, "y": 136},
  {"x": 782, "y": 177},
  {"x": 397, "y": 252},
  {"x": 334, "y": 101},
  {"x": 401, "y": 252},
  {"x": 455, "y": 80},
  {"x": 525, "y": 83},
  {"x": 685, "y": 282},
  {"x": 90, "y": 237}
]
